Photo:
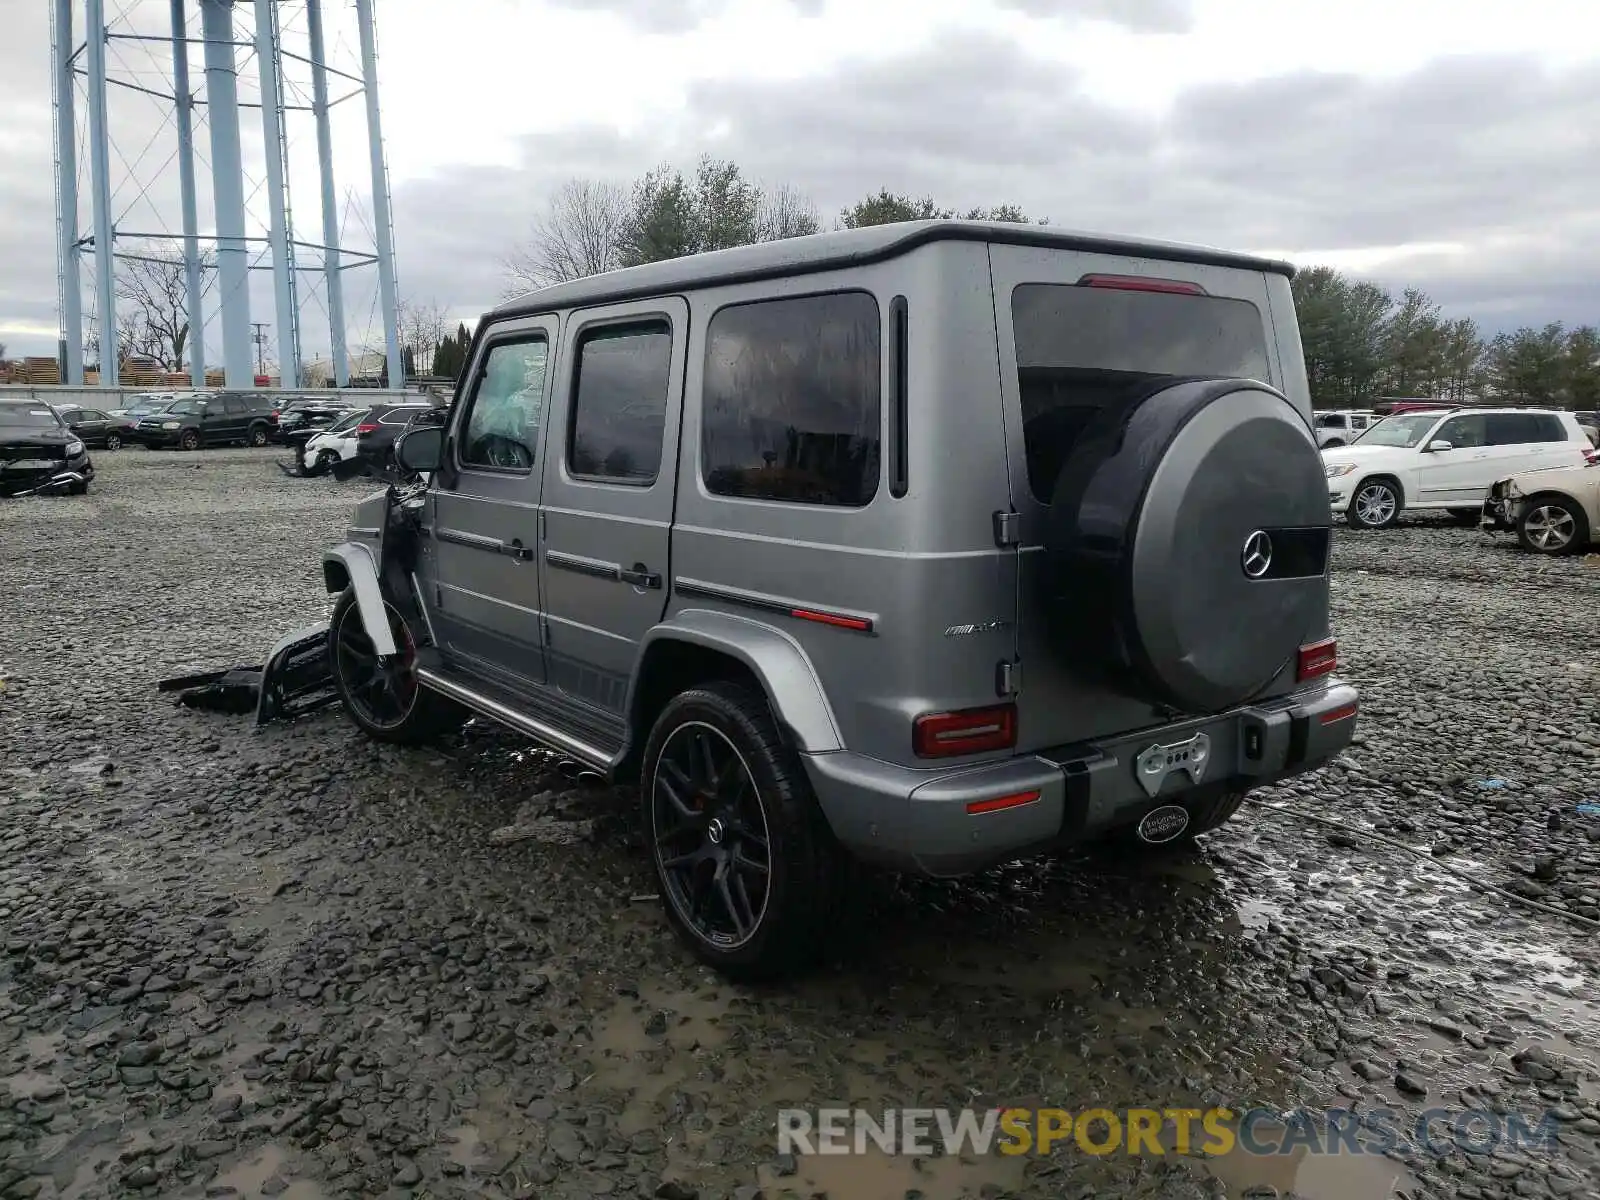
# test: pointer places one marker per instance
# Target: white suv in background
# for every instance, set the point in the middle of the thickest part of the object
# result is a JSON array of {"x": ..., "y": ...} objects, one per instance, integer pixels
[
  {"x": 1445, "y": 460},
  {"x": 1340, "y": 428}
]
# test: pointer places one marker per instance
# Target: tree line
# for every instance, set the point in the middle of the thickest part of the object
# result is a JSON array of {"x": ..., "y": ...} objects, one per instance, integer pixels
[
  {"x": 590, "y": 226},
  {"x": 1362, "y": 343}
]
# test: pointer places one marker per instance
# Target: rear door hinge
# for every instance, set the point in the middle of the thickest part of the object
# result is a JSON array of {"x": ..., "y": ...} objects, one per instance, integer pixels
[
  {"x": 1007, "y": 528},
  {"x": 1007, "y": 678}
]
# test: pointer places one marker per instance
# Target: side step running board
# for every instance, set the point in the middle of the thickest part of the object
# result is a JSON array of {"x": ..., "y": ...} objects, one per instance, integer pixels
[{"x": 549, "y": 735}]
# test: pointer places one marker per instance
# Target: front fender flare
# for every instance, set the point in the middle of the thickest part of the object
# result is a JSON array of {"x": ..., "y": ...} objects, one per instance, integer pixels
[
  {"x": 357, "y": 566},
  {"x": 778, "y": 662}
]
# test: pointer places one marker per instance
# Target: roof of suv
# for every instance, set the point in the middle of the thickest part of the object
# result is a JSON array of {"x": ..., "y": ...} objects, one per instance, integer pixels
[{"x": 853, "y": 248}]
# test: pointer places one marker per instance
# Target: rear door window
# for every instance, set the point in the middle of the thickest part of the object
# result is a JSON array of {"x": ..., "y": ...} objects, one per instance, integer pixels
[
  {"x": 1083, "y": 349},
  {"x": 1523, "y": 429},
  {"x": 619, "y": 404}
]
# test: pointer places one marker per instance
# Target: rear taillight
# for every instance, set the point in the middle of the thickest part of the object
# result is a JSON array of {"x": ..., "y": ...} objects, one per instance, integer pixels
[
  {"x": 1142, "y": 283},
  {"x": 367, "y": 427},
  {"x": 969, "y": 731},
  {"x": 1318, "y": 659}
]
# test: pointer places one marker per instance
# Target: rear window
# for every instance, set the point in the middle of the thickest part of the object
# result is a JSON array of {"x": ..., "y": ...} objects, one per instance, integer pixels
[{"x": 1082, "y": 349}]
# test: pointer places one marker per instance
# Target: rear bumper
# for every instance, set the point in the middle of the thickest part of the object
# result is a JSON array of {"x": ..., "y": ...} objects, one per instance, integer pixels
[{"x": 923, "y": 821}]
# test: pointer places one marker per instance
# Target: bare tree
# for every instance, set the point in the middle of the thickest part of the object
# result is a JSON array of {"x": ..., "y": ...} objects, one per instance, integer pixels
[
  {"x": 786, "y": 212},
  {"x": 2, "y": 350},
  {"x": 578, "y": 235},
  {"x": 151, "y": 279},
  {"x": 422, "y": 328}
]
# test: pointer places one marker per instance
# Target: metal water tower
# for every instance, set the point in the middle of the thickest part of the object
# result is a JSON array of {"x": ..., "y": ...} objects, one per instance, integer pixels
[{"x": 134, "y": 82}]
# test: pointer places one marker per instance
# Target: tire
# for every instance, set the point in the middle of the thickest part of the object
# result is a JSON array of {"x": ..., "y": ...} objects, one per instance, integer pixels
[
  {"x": 326, "y": 459},
  {"x": 1466, "y": 516},
  {"x": 189, "y": 439},
  {"x": 418, "y": 715},
  {"x": 1553, "y": 525},
  {"x": 113, "y": 441},
  {"x": 1215, "y": 482},
  {"x": 1376, "y": 504},
  {"x": 764, "y": 786},
  {"x": 257, "y": 436}
]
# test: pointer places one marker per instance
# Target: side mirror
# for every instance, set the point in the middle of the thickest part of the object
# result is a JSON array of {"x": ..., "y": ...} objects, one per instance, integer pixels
[
  {"x": 420, "y": 449},
  {"x": 1440, "y": 444}
]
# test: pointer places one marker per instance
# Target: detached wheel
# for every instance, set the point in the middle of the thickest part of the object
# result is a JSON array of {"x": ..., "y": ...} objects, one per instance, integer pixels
[
  {"x": 383, "y": 698},
  {"x": 747, "y": 867},
  {"x": 113, "y": 441},
  {"x": 1552, "y": 525},
  {"x": 257, "y": 436},
  {"x": 188, "y": 440},
  {"x": 1376, "y": 505}
]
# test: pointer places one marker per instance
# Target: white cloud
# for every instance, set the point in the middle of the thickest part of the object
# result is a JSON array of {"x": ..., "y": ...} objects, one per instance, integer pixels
[{"x": 1430, "y": 142}]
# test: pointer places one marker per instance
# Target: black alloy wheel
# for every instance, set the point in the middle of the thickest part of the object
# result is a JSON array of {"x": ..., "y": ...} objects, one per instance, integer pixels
[{"x": 710, "y": 835}]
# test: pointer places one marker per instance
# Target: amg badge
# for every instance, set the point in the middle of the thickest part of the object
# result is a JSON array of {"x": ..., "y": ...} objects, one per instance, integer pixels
[{"x": 969, "y": 630}]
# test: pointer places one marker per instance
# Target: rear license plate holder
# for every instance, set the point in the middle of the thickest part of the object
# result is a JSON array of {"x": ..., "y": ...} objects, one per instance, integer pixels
[{"x": 1157, "y": 762}]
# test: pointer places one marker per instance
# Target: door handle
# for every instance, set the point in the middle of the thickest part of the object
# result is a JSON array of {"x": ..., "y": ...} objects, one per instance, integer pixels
[
  {"x": 518, "y": 551},
  {"x": 641, "y": 576}
]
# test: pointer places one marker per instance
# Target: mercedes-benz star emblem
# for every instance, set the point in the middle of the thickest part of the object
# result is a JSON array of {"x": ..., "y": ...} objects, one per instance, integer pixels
[
  {"x": 1257, "y": 555},
  {"x": 714, "y": 831}
]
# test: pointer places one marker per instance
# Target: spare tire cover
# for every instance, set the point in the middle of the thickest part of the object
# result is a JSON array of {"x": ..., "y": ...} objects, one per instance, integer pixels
[{"x": 1148, "y": 586}]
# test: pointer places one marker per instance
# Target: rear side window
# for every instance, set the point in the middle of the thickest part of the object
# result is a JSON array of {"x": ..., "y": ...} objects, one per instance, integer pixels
[
  {"x": 1082, "y": 349},
  {"x": 619, "y": 404},
  {"x": 792, "y": 400},
  {"x": 1521, "y": 429},
  {"x": 233, "y": 406}
]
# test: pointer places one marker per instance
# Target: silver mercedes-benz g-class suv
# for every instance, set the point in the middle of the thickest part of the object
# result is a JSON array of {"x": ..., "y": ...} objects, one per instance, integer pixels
[{"x": 930, "y": 545}]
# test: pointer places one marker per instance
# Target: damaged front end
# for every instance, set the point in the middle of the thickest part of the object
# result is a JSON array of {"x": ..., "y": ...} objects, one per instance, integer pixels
[
  {"x": 55, "y": 484},
  {"x": 1501, "y": 507},
  {"x": 296, "y": 679},
  {"x": 297, "y": 676}
]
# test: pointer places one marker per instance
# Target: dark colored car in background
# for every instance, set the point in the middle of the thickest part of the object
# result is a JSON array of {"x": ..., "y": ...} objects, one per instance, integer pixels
[
  {"x": 375, "y": 436},
  {"x": 208, "y": 419},
  {"x": 127, "y": 419},
  {"x": 38, "y": 453},
  {"x": 98, "y": 430},
  {"x": 308, "y": 413}
]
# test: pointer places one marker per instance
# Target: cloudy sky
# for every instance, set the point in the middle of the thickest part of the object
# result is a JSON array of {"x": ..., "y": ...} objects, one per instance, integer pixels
[{"x": 1453, "y": 144}]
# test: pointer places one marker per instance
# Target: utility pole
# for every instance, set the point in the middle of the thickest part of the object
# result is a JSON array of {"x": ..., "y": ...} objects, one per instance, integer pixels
[{"x": 260, "y": 339}]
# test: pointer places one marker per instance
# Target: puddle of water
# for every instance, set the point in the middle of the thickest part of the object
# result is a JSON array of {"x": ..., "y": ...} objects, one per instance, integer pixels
[
  {"x": 1309, "y": 1176},
  {"x": 692, "y": 1019},
  {"x": 466, "y": 1145},
  {"x": 249, "y": 1177},
  {"x": 879, "y": 1176}
]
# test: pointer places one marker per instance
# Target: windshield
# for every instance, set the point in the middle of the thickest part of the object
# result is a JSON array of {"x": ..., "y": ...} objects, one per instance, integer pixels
[
  {"x": 142, "y": 407},
  {"x": 349, "y": 421},
  {"x": 185, "y": 408},
  {"x": 1407, "y": 431},
  {"x": 28, "y": 416}
]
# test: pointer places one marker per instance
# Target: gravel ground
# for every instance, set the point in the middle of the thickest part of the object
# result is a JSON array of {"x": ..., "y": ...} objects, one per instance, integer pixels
[{"x": 294, "y": 963}]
